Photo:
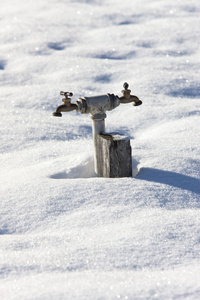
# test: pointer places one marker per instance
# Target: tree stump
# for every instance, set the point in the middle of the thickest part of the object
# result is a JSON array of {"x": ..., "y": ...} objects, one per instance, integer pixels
[{"x": 113, "y": 155}]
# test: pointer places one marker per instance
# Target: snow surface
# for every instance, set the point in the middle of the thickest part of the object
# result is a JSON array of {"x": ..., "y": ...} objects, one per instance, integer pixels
[{"x": 66, "y": 234}]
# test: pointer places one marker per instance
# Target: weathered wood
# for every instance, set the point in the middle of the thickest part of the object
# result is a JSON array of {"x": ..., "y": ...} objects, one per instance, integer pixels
[{"x": 113, "y": 156}]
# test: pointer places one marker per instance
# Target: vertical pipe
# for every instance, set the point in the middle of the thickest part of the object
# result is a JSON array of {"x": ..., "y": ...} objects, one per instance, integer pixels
[{"x": 98, "y": 126}]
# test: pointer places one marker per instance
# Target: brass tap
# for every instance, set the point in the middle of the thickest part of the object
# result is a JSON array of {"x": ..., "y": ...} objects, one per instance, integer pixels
[
  {"x": 67, "y": 106},
  {"x": 127, "y": 97}
]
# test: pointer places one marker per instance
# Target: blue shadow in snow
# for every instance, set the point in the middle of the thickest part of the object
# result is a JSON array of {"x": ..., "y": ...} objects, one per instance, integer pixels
[
  {"x": 177, "y": 180},
  {"x": 2, "y": 64},
  {"x": 103, "y": 78},
  {"x": 56, "y": 46},
  {"x": 187, "y": 92},
  {"x": 112, "y": 55},
  {"x": 5, "y": 230}
]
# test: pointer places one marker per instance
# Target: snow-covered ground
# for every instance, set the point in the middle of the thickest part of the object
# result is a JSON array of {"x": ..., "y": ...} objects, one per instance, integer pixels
[{"x": 66, "y": 234}]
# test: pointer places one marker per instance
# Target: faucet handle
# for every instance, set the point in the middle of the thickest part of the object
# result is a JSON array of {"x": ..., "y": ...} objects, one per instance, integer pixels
[
  {"x": 66, "y": 94},
  {"x": 125, "y": 85}
]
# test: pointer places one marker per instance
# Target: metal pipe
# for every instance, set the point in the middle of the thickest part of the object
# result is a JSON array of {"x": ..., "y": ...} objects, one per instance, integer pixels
[{"x": 98, "y": 127}]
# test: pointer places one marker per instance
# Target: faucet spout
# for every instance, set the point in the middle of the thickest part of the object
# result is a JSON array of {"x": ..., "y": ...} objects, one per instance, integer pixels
[
  {"x": 136, "y": 101},
  {"x": 63, "y": 108}
]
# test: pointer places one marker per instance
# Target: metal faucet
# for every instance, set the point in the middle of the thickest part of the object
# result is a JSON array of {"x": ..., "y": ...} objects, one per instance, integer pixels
[
  {"x": 96, "y": 106},
  {"x": 67, "y": 106}
]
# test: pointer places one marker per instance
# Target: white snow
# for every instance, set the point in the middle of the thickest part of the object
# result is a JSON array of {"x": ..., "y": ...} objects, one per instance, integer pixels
[{"x": 66, "y": 234}]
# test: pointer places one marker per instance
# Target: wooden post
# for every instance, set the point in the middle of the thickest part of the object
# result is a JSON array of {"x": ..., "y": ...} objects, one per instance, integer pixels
[{"x": 113, "y": 155}]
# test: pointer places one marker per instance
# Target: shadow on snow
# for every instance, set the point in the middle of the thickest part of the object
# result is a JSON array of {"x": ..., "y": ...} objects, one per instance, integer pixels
[{"x": 177, "y": 180}]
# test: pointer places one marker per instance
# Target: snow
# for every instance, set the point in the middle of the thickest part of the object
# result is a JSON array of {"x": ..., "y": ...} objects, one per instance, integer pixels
[{"x": 65, "y": 233}]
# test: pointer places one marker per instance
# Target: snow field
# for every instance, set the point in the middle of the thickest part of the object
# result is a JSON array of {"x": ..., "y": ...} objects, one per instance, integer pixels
[{"x": 66, "y": 234}]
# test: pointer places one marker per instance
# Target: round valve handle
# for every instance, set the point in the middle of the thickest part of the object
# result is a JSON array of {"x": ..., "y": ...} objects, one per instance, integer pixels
[
  {"x": 66, "y": 94},
  {"x": 125, "y": 85}
]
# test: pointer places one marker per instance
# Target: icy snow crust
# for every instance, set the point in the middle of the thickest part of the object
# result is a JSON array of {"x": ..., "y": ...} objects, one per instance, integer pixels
[{"x": 66, "y": 234}]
